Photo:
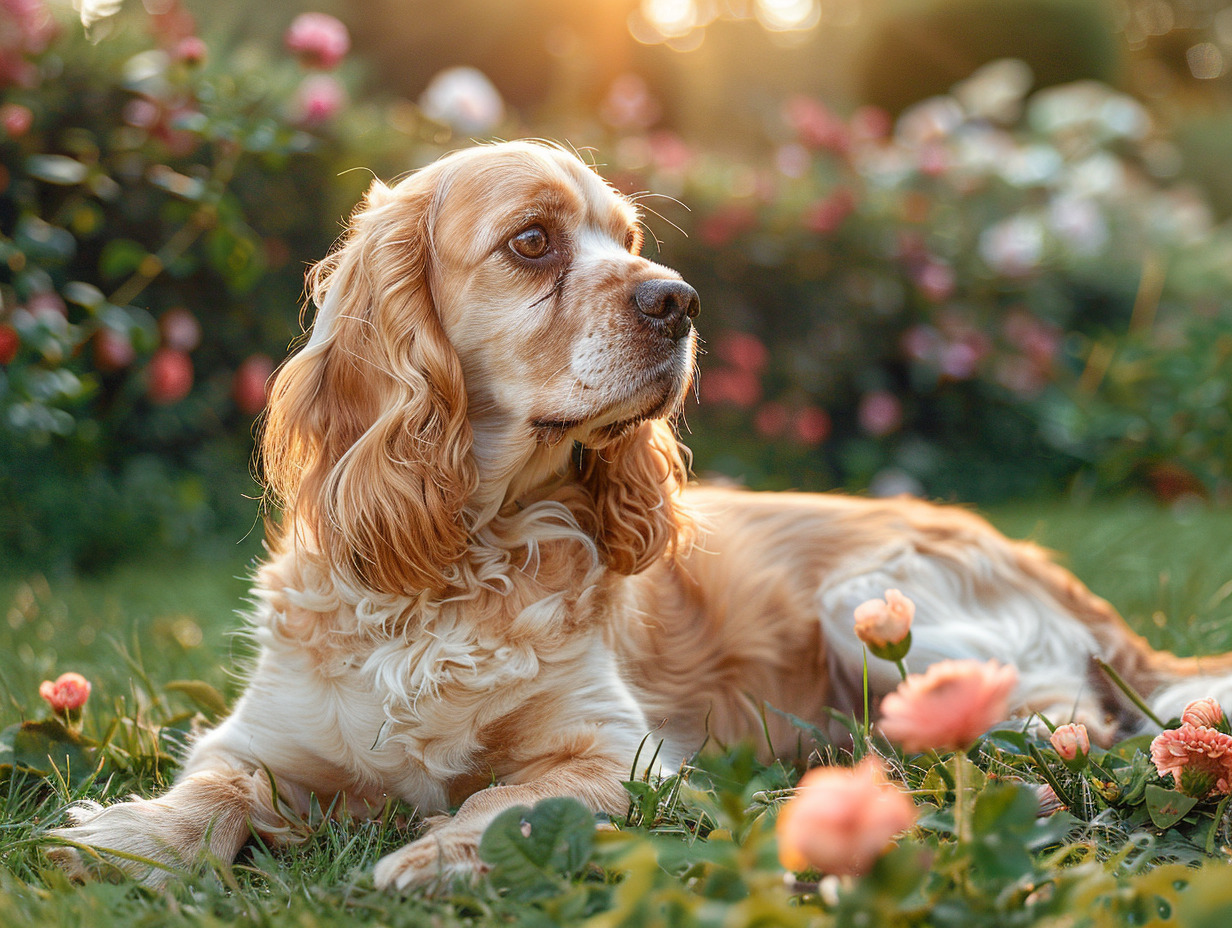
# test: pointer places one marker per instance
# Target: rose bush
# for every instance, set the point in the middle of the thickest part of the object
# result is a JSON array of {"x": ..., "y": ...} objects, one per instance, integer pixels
[{"x": 160, "y": 193}]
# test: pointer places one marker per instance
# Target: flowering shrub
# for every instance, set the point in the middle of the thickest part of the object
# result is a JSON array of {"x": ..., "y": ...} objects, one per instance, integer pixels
[
  {"x": 980, "y": 297},
  {"x": 158, "y": 200}
]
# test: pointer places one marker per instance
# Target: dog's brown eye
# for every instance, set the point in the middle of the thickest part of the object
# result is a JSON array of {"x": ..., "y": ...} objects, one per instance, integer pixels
[{"x": 530, "y": 243}]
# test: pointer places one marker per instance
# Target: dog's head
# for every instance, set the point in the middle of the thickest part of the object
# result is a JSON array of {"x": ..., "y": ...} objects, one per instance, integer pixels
[{"x": 477, "y": 322}]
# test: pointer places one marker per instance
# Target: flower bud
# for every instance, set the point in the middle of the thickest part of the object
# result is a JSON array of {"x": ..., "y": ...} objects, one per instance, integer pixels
[
  {"x": 66, "y": 693},
  {"x": 1072, "y": 745},
  {"x": 885, "y": 625}
]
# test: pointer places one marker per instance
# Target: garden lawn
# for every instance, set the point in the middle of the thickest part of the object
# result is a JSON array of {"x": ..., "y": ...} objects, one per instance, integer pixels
[{"x": 142, "y": 626}]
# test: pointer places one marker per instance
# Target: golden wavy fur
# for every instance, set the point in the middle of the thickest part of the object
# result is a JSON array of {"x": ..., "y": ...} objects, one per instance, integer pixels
[{"x": 491, "y": 583}]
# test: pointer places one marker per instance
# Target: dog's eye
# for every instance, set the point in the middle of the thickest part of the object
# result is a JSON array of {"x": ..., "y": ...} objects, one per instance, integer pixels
[{"x": 530, "y": 243}]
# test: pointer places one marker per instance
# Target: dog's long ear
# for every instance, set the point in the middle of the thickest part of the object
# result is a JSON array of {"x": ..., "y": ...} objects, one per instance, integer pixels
[
  {"x": 635, "y": 484},
  {"x": 366, "y": 442}
]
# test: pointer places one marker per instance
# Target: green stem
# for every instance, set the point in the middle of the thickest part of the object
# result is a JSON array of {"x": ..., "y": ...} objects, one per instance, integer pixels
[{"x": 1129, "y": 692}]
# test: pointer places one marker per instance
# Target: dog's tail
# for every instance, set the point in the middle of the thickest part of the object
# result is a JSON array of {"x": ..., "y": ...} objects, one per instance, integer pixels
[{"x": 1164, "y": 681}]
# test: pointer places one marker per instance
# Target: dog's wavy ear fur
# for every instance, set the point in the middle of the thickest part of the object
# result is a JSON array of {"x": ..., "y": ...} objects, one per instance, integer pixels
[
  {"x": 366, "y": 442},
  {"x": 635, "y": 485}
]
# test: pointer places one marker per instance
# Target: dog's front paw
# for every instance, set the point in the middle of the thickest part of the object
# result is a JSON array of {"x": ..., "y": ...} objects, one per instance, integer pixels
[
  {"x": 439, "y": 857},
  {"x": 108, "y": 841}
]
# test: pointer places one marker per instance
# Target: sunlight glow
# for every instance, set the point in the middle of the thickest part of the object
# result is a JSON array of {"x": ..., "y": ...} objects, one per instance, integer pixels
[
  {"x": 783, "y": 15},
  {"x": 670, "y": 17}
]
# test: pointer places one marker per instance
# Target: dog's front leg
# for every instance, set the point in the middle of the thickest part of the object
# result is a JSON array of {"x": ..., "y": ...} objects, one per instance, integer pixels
[
  {"x": 451, "y": 846},
  {"x": 206, "y": 816}
]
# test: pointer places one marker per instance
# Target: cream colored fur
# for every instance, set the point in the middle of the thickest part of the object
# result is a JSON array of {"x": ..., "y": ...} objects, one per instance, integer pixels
[{"x": 462, "y": 609}]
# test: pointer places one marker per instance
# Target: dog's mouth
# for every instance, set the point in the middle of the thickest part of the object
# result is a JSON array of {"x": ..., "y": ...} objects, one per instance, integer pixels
[{"x": 655, "y": 395}]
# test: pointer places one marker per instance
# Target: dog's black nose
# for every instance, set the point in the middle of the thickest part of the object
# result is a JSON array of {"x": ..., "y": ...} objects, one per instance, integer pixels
[{"x": 672, "y": 302}]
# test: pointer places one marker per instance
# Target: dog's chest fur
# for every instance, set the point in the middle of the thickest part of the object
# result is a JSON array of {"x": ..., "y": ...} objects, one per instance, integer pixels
[{"x": 374, "y": 698}]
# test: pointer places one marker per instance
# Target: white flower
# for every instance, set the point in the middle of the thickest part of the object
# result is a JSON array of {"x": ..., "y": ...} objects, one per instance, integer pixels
[{"x": 464, "y": 99}]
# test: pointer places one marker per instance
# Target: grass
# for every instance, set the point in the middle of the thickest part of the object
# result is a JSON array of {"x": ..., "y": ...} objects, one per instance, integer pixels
[{"x": 143, "y": 625}]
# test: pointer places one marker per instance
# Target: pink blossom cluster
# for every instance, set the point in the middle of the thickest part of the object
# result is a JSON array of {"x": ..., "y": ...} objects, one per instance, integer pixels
[
  {"x": 1198, "y": 755},
  {"x": 26, "y": 28},
  {"x": 320, "y": 42},
  {"x": 738, "y": 383}
]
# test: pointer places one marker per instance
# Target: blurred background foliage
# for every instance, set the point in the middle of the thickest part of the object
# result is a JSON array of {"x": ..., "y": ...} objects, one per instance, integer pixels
[{"x": 971, "y": 249}]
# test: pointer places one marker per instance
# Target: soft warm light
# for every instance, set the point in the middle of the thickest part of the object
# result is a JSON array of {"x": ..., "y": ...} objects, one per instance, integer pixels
[
  {"x": 670, "y": 17},
  {"x": 788, "y": 14}
]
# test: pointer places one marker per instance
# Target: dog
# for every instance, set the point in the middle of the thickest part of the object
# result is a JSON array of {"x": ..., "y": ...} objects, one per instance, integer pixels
[{"x": 492, "y": 583}]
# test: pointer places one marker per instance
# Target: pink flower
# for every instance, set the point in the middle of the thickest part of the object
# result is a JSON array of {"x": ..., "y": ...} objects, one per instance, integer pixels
[
  {"x": 67, "y": 692},
  {"x": 169, "y": 377},
  {"x": 948, "y": 706},
  {"x": 190, "y": 50},
  {"x": 811, "y": 425},
  {"x": 250, "y": 385},
  {"x": 879, "y": 413},
  {"x": 180, "y": 329},
  {"x": 816, "y": 126},
  {"x": 318, "y": 40},
  {"x": 730, "y": 386},
  {"x": 744, "y": 351},
  {"x": 828, "y": 213},
  {"x": 881, "y": 622},
  {"x": 1205, "y": 713},
  {"x": 16, "y": 119},
  {"x": 318, "y": 99},
  {"x": 1072, "y": 744},
  {"x": 771, "y": 420},
  {"x": 1198, "y": 759},
  {"x": 841, "y": 820}
]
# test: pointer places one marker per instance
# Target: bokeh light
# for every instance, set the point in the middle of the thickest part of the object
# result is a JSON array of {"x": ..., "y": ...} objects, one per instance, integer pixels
[{"x": 786, "y": 15}]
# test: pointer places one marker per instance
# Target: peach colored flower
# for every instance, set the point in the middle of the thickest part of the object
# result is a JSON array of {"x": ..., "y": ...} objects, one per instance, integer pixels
[
  {"x": 1199, "y": 760},
  {"x": 841, "y": 820},
  {"x": 1072, "y": 743},
  {"x": 69, "y": 691},
  {"x": 948, "y": 706},
  {"x": 881, "y": 622},
  {"x": 1205, "y": 713}
]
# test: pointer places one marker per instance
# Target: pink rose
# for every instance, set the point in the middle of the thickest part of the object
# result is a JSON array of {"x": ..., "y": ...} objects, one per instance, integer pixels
[
  {"x": 1199, "y": 760},
  {"x": 68, "y": 692},
  {"x": 948, "y": 706},
  {"x": 879, "y": 413},
  {"x": 812, "y": 425},
  {"x": 180, "y": 329},
  {"x": 744, "y": 351},
  {"x": 1072, "y": 744},
  {"x": 882, "y": 622},
  {"x": 318, "y": 40},
  {"x": 169, "y": 376},
  {"x": 1205, "y": 713},
  {"x": 250, "y": 385},
  {"x": 190, "y": 50},
  {"x": 16, "y": 119},
  {"x": 318, "y": 99},
  {"x": 841, "y": 820}
]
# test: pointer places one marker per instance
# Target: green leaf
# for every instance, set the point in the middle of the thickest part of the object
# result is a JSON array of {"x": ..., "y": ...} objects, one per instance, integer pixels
[
  {"x": 530, "y": 848},
  {"x": 204, "y": 696},
  {"x": 43, "y": 746},
  {"x": 121, "y": 257},
  {"x": 56, "y": 169},
  {"x": 1167, "y": 806},
  {"x": 85, "y": 295}
]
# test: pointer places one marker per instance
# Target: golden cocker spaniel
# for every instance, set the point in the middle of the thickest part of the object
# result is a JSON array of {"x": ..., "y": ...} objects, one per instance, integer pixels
[{"x": 491, "y": 583}]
